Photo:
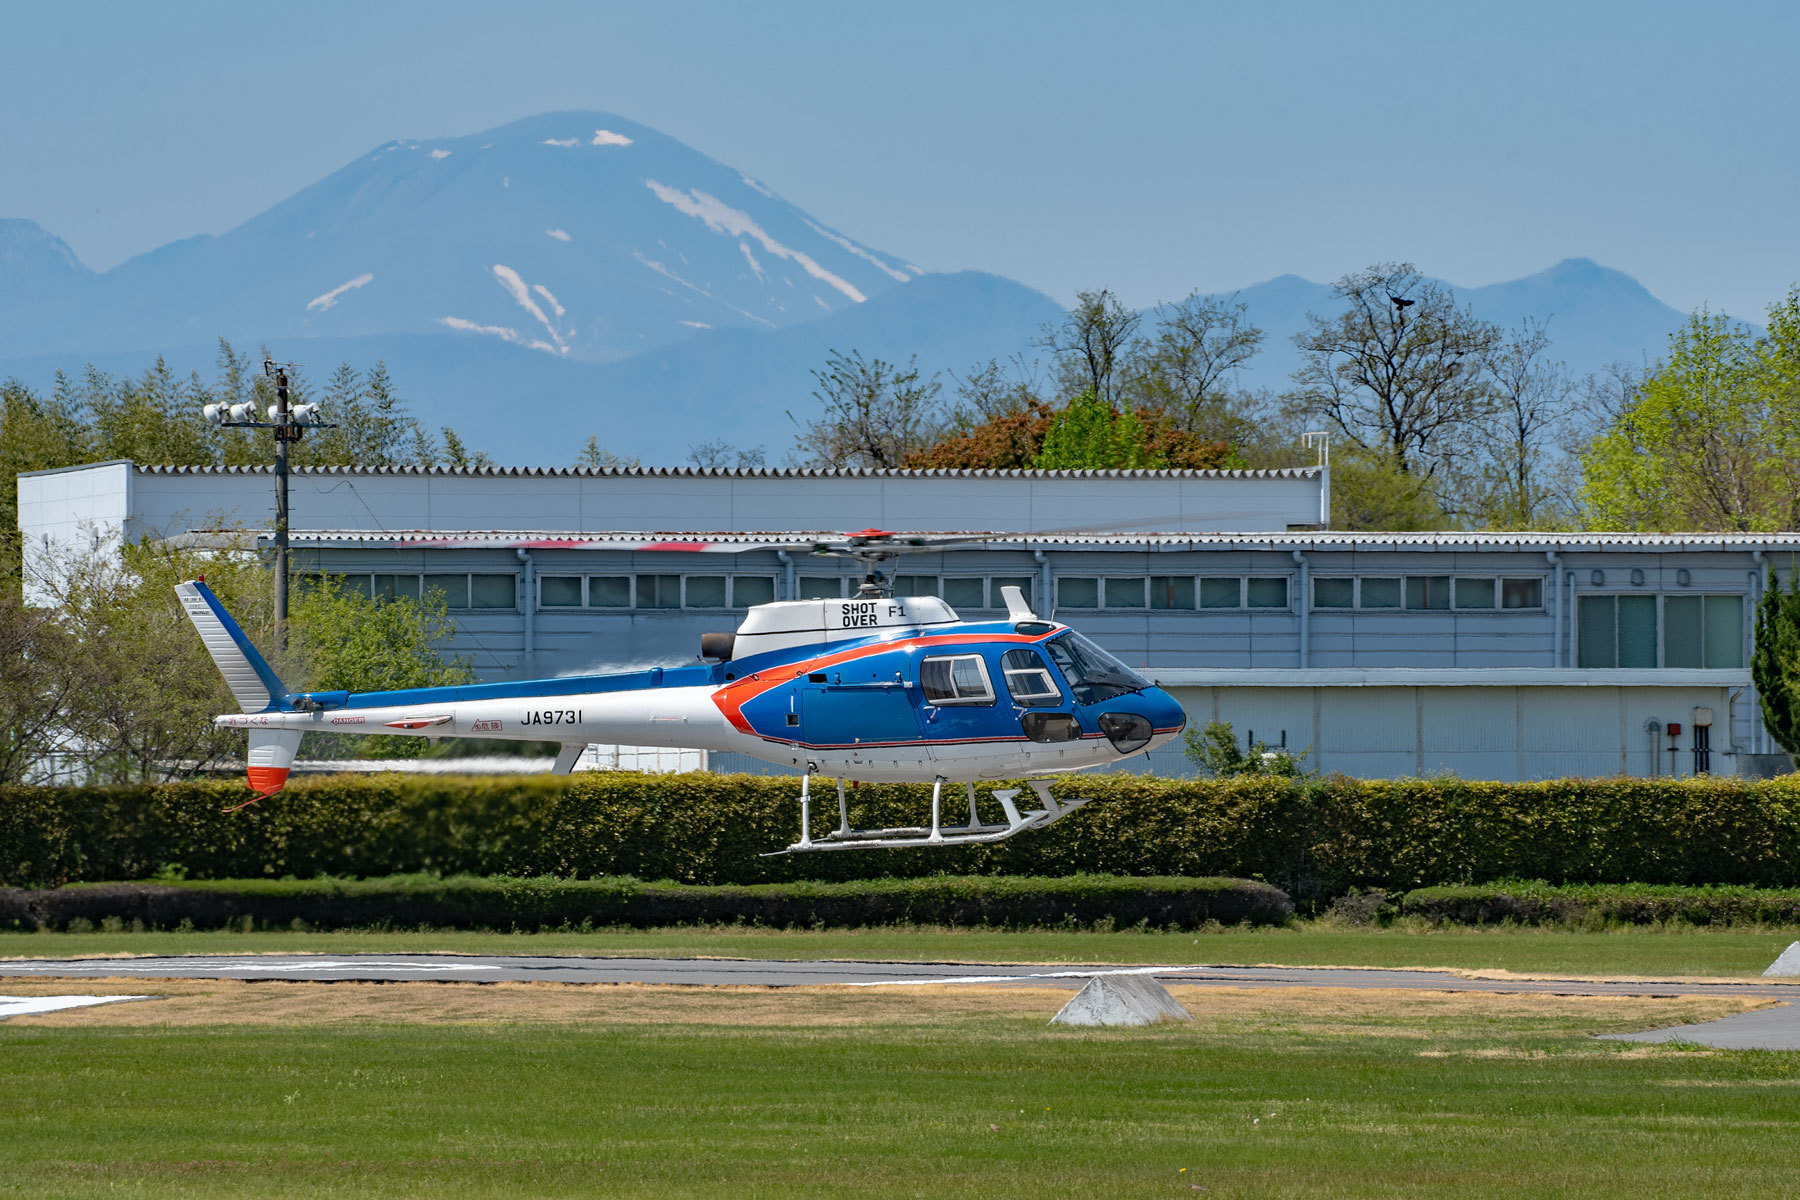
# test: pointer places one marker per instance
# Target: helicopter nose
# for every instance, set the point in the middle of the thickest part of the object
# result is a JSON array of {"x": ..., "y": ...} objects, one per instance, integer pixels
[{"x": 1166, "y": 712}]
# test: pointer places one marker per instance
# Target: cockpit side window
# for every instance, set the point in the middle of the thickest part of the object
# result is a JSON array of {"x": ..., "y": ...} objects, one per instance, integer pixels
[
  {"x": 956, "y": 679},
  {"x": 1093, "y": 674},
  {"x": 1029, "y": 680}
]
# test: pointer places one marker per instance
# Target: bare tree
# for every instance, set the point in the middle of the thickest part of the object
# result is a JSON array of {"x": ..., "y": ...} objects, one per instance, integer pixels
[
  {"x": 719, "y": 454},
  {"x": 1200, "y": 343},
  {"x": 991, "y": 391},
  {"x": 1091, "y": 344},
  {"x": 875, "y": 414},
  {"x": 1401, "y": 371},
  {"x": 1532, "y": 398}
]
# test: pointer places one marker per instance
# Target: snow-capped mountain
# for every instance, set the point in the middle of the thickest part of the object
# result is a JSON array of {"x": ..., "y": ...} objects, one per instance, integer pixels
[
  {"x": 579, "y": 274},
  {"x": 577, "y": 235}
]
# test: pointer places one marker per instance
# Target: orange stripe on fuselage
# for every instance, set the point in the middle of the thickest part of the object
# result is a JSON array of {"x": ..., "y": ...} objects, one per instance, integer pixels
[{"x": 733, "y": 696}]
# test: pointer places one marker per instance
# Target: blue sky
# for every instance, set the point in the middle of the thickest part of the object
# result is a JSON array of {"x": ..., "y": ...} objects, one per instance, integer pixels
[{"x": 1151, "y": 148}]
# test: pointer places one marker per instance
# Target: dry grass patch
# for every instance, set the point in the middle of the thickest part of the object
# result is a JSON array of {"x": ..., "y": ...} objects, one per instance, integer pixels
[{"x": 1303, "y": 1012}]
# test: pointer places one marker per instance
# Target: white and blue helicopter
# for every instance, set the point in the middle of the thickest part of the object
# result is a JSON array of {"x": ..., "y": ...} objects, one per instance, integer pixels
[{"x": 877, "y": 688}]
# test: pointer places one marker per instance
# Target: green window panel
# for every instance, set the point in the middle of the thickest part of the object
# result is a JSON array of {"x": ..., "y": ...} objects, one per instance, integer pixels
[
  {"x": 915, "y": 585},
  {"x": 659, "y": 591},
  {"x": 559, "y": 591},
  {"x": 1522, "y": 593},
  {"x": 1381, "y": 593},
  {"x": 819, "y": 587},
  {"x": 1334, "y": 593},
  {"x": 1221, "y": 593},
  {"x": 1171, "y": 591},
  {"x": 1474, "y": 592},
  {"x": 609, "y": 591},
  {"x": 750, "y": 590},
  {"x": 1637, "y": 631},
  {"x": 1724, "y": 632},
  {"x": 705, "y": 591},
  {"x": 493, "y": 591},
  {"x": 965, "y": 593},
  {"x": 1596, "y": 632},
  {"x": 1269, "y": 592},
  {"x": 1125, "y": 592},
  {"x": 1022, "y": 582},
  {"x": 1078, "y": 593},
  {"x": 1684, "y": 638},
  {"x": 1428, "y": 592},
  {"x": 455, "y": 589}
]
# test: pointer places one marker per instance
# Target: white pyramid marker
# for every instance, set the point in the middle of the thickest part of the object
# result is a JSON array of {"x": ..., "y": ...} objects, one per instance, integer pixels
[
  {"x": 1121, "y": 1000},
  {"x": 1788, "y": 963}
]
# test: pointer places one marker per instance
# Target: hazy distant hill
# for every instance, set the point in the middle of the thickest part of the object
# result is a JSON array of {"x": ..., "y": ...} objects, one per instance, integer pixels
[
  {"x": 578, "y": 273},
  {"x": 1596, "y": 315}
]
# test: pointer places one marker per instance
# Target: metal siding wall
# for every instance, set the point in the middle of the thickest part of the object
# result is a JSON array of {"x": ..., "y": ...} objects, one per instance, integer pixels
[{"x": 1371, "y": 733}]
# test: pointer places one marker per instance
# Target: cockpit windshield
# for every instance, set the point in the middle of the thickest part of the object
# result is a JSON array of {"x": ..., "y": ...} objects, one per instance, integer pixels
[{"x": 1093, "y": 674}]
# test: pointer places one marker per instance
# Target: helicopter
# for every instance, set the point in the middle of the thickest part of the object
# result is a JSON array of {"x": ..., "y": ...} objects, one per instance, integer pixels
[{"x": 876, "y": 688}]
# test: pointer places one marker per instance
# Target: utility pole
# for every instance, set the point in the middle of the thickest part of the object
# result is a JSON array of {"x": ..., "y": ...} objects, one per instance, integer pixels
[
  {"x": 285, "y": 432},
  {"x": 290, "y": 422}
]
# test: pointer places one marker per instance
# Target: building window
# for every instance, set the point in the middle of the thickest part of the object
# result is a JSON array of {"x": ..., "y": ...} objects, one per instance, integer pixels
[
  {"x": 821, "y": 587},
  {"x": 1474, "y": 592},
  {"x": 998, "y": 598},
  {"x": 963, "y": 592},
  {"x": 956, "y": 679},
  {"x": 454, "y": 589},
  {"x": 1078, "y": 593},
  {"x": 915, "y": 585},
  {"x": 659, "y": 591},
  {"x": 1029, "y": 680},
  {"x": 1522, "y": 593},
  {"x": 1616, "y": 631},
  {"x": 1427, "y": 592},
  {"x": 1334, "y": 593},
  {"x": 609, "y": 591},
  {"x": 1125, "y": 592},
  {"x": 1221, "y": 593},
  {"x": 747, "y": 591},
  {"x": 1703, "y": 631},
  {"x": 1380, "y": 592},
  {"x": 559, "y": 591},
  {"x": 493, "y": 591},
  {"x": 1268, "y": 592},
  {"x": 396, "y": 587},
  {"x": 1171, "y": 591},
  {"x": 704, "y": 591}
]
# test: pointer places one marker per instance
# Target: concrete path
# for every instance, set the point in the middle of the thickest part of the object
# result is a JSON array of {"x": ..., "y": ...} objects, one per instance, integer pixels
[{"x": 1775, "y": 1028}]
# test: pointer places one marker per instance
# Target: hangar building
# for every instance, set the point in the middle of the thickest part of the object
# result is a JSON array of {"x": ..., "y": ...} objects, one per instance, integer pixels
[{"x": 1488, "y": 656}]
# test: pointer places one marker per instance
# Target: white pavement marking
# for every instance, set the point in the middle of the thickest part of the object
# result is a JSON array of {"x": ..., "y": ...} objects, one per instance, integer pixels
[
  {"x": 1087, "y": 974},
  {"x": 258, "y": 966},
  {"x": 19, "y": 1006}
]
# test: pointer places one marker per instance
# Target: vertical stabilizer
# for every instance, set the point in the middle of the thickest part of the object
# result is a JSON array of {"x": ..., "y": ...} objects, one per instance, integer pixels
[
  {"x": 249, "y": 677},
  {"x": 271, "y": 756}
]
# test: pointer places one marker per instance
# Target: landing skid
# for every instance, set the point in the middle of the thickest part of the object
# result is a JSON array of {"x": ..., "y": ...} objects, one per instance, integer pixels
[{"x": 937, "y": 833}]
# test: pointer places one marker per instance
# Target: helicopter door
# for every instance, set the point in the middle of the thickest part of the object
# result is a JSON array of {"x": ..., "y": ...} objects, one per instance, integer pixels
[
  {"x": 1037, "y": 698},
  {"x": 837, "y": 711}
]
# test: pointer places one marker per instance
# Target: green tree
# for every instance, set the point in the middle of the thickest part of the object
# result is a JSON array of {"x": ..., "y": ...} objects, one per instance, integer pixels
[
  {"x": 1710, "y": 437},
  {"x": 1089, "y": 435},
  {"x": 1214, "y": 749},
  {"x": 1775, "y": 662},
  {"x": 346, "y": 640},
  {"x": 1370, "y": 492}
]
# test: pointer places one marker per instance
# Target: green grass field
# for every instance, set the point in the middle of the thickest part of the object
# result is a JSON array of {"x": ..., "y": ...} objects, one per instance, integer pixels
[
  {"x": 1675, "y": 950},
  {"x": 1403, "y": 1097}
]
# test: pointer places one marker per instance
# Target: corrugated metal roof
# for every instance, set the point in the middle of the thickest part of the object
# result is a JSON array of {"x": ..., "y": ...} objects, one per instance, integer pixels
[
  {"x": 1298, "y": 540},
  {"x": 725, "y": 473}
]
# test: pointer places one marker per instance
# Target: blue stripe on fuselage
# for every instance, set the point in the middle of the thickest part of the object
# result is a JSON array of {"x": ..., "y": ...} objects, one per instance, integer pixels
[{"x": 571, "y": 685}]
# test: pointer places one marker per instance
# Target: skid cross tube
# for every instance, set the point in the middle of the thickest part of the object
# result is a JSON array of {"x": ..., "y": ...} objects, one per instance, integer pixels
[{"x": 976, "y": 832}]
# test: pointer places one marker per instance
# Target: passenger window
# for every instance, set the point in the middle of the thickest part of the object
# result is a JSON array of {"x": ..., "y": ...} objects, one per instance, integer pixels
[
  {"x": 1029, "y": 680},
  {"x": 956, "y": 679}
]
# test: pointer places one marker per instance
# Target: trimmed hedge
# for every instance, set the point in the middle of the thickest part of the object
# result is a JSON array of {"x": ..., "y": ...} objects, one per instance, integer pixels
[
  {"x": 1313, "y": 838},
  {"x": 544, "y": 902},
  {"x": 1536, "y": 903}
]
